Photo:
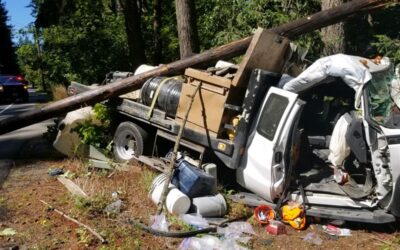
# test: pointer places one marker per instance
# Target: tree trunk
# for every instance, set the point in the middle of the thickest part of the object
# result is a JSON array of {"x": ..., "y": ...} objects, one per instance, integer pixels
[
  {"x": 134, "y": 32},
  {"x": 332, "y": 36},
  {"x": 157, "y": 32},
  {"x": 187, "y": 28},
  {"x": 290, "y": 30}
]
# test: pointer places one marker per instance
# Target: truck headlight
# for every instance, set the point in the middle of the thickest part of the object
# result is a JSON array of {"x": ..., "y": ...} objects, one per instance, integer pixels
[
  {"x": 26, "y": 86},
  {"x": 1, "y": 88}
]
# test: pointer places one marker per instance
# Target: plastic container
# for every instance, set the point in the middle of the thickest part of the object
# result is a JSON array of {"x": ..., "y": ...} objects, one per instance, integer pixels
[
  {"x": 210, "y": 206},
  {"x": 157, "y": 188},
  {"x": 192, "y": 181},
  {"x": 264, "y": 214},
  {"x": 177, "y": 202}
]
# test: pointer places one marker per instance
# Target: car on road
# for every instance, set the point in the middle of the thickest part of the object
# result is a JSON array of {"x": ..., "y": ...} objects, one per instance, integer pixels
[{"x": 13, "y": 87}]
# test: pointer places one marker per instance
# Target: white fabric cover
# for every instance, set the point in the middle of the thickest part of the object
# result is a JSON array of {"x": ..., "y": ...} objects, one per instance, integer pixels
[
  {"x": 349, "y": 68},
  {"x": 338, "y": 147}
]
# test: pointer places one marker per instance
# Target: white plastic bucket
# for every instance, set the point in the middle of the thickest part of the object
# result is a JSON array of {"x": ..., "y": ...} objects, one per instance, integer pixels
[
  {"x": 157, "y": 188},
  {"x": 210, "y": 206},
  {"x": 177, "y": 202}
]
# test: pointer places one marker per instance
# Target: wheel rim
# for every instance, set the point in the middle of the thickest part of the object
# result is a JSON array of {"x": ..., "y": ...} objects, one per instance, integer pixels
[{"x": 126, "y": 145}]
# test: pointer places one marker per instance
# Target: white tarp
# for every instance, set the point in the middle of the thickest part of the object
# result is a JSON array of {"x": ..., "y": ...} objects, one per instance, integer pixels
[{"x": 347, "y": 67}]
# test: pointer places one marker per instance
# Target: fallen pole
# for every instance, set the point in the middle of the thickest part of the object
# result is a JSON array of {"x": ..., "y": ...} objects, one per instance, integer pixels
[{"x": 290, "y": 30}]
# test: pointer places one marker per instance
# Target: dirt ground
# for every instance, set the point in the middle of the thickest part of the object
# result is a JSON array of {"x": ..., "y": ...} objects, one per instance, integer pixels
[{"x": 39, "y": 227}]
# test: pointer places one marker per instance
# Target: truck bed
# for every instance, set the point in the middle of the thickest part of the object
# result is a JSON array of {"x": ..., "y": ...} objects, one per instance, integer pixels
[{"x": 160, "y": 120}]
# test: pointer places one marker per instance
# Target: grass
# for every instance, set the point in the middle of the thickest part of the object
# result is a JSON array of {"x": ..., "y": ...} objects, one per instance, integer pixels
[
  {"x": 146, "y": 179},
  {"x": 92, "y": 206},
  {"x": 59, "y": 92}
]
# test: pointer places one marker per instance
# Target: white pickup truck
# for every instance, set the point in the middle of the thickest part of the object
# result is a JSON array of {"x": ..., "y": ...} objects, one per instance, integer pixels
[{"x": 276, "y": 141}]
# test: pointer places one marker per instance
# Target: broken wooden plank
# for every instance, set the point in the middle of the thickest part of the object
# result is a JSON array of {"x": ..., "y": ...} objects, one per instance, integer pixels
[{"x": 72, "y": 187}]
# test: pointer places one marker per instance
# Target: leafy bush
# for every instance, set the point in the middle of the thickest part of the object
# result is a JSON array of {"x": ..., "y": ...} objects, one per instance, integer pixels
[
  {"x": 95, "y": 134},
  {"x": 388, "y": 47}
]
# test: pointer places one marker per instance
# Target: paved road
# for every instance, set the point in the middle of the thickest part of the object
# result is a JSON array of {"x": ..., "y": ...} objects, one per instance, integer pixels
[{"x": 26, "y": 142}]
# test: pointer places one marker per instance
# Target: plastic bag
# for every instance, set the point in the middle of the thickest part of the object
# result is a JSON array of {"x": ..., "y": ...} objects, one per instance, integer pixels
[
  {"x": 210, "y": 242},
  {"x": 313, "y": 238},
  {"x": 236, "y": 229},
  {"x": 197, "y": 243},
  {"x": 114, "y": 207},
  {"x": 195, "y": 220},
  {"x": 159, "y": 223}
]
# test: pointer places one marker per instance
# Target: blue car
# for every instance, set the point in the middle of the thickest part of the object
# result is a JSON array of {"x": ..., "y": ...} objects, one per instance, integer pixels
[{"x": 13, "y": 88}]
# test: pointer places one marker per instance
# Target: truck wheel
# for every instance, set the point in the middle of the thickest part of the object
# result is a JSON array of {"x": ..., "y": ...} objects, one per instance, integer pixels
[{"x": 129, "y": 141}]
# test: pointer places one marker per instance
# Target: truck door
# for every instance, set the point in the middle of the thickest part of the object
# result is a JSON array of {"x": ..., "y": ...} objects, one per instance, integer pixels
[{"x": 262, "y": 167}]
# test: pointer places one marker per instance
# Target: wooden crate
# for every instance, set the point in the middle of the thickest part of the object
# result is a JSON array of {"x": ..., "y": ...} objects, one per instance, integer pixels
[{"x": 207, "y": 111}]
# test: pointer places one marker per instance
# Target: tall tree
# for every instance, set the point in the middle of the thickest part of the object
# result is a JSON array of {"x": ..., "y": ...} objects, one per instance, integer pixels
[
  {"x": 8, "y": 63},
  {"x": 187, "y": 28},
  {"x": 333, "y": 36},
  {"x": 132, "y": 14},
  {"x": 157, "y": 57}
]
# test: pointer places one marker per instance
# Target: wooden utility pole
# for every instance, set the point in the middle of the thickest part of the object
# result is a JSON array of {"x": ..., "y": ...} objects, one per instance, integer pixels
[{"x": 290, "y": 30}]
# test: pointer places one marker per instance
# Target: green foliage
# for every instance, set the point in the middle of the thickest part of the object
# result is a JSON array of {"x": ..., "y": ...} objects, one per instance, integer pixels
[
  {"x": 96, "y": 133},
  {"x": 82, "y": 40},
  {"x": 52, "y": 130},
  {"x": 224, "y": 21},
  {"x": 85, "y": 42},
  {"x": 388, "y": 47},
  {"x": 93, "y": 205}
]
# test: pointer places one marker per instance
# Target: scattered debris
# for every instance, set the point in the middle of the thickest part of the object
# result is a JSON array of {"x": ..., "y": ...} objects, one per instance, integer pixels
[
  {"x": 334, "y": 230},
  {"x": 264, "y": 214},
  {"x": 159, "y": 222},
  {"x": 198, "y": 243},
  {"x": 56, "y": 171},
  {"x": 210, "y": 206},
  {"x": 99, "y": 164},
  {"x": 276, "y": 227},
  {"x": 75, "y": 221},
  {"x": 8, "y": 232},
  {"x": 72, "y": 187},
  {"x": 236, "y": 229},
  {"x": 313, "y": 238},
  {"x": 94, "y": 153},
  {"x": 195, "y": 220},
  {"x": 114, "y": 208},
  {"x": 294, "y": 214}
]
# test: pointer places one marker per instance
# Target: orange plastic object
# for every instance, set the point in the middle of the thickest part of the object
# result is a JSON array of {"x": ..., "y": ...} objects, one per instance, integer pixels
[
  {"x": 294, "y": 216},
  {"x": 264, "y": 214}
]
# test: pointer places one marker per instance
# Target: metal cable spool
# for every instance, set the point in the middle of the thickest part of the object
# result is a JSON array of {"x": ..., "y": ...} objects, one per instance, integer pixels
[{"x": 168, "y": 97}]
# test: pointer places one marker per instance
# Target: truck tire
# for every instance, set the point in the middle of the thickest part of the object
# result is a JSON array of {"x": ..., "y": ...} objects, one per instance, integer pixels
[{"x": 129, "y": 141}]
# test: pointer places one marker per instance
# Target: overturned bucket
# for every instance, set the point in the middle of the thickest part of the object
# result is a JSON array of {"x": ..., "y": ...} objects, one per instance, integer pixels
[
  {"x": 157, "y": 188},
  {"x": 210, "y": 206},
  {"x": 176, "y": 202}
]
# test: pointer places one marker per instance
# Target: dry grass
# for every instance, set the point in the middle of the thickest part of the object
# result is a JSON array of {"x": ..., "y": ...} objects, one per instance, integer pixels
[{"x": 59, "y": 92}]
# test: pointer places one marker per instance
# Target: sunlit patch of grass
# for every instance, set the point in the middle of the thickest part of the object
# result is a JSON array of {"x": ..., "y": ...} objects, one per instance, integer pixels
[{"x": 146, "y": 179}]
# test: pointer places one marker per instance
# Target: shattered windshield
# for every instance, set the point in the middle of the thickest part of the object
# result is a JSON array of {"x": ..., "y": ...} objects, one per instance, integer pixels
[{"x": 381, "y": 106}]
